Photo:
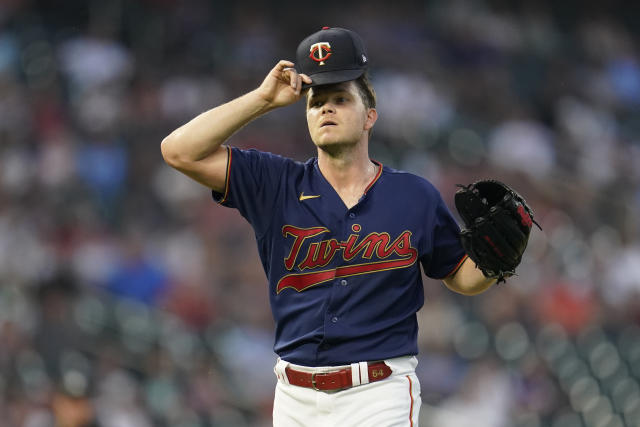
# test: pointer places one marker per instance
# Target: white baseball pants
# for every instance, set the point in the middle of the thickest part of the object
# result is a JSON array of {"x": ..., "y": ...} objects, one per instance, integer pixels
[{"x": 393, "y": 401}]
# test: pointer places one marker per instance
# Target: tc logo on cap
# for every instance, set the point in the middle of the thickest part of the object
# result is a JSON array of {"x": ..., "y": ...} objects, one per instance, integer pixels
[{"x": 320, "y": 52}]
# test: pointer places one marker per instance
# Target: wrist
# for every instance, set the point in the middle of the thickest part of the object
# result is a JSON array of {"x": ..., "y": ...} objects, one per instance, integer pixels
[{"x": 262, "y": 101}]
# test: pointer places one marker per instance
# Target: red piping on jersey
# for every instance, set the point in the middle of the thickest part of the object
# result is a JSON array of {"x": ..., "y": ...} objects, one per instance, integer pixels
[
  {"x": 227, "y": 176},
  {"x": 457, "y": 267},
  {"x": 375, "y": 178},
  {"x": 411, "y": 408}
]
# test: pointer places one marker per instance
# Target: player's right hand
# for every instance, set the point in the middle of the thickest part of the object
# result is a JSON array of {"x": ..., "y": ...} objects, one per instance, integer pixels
[{"x": 283, "y": 85}]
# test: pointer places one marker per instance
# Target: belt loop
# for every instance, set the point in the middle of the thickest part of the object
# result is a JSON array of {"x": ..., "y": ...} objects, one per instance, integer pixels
[
  {"x": 364, "y": 372},
  {"x": 280, "y": 370},
  {"x": 355, "y": 374}
]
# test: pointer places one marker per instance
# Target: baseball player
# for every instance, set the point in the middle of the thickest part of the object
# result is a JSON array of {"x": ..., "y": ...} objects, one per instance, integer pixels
[{"x": 341, "y": 238}]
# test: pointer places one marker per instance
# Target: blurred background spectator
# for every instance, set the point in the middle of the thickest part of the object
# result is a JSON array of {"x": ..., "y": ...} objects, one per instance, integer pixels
[{"x": 124, "y": 302}]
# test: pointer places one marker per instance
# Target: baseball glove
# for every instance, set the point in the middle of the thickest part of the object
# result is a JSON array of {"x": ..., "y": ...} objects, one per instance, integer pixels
[{"x": 497, "y": 224}]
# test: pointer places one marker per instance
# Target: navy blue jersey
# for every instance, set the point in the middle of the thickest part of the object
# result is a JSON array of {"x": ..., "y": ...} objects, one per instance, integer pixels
[{"x": 344, "y": 284}]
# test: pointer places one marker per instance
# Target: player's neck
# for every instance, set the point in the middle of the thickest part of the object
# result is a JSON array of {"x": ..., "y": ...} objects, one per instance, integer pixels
[{"x": 349, "y": 173}]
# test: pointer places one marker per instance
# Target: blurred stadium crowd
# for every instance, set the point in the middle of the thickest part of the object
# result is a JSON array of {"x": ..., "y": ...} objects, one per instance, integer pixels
[{"x": 129, "y": 299}]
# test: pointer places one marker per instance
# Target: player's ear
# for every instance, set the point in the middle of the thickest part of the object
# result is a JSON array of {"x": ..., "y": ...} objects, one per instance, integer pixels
[{"x": 372, "y": 116}]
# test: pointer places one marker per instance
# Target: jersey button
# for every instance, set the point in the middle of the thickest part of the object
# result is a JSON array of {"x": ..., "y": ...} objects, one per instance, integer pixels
[
  {"x": 352, "y": 215},
  {"x": 334, "y": 319},
  {"x": 343, "y": 282}
]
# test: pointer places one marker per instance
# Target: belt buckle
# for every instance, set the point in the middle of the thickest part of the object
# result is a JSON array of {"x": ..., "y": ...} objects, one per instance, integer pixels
[{"x": 313, "y": 381}]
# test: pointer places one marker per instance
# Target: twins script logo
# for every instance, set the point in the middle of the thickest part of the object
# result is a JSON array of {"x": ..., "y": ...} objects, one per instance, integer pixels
[
  {"x": 387, "y": 254},
  {"x": 320, "y": 52}
]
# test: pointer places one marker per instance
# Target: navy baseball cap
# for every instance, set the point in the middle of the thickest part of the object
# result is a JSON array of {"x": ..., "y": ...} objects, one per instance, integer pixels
[{"x": 331, "y": 55}]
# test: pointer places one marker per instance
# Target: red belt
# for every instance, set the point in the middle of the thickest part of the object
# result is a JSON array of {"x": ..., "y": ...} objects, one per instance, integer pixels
[{"x": 336, "y": 380}]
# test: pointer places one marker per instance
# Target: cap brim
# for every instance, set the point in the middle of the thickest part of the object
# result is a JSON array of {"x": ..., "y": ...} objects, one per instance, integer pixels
[{"x": 332, "y": 77}]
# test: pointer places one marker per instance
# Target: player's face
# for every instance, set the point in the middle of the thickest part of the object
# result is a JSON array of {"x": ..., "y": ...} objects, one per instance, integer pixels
[{"x": 337, "y": 115}]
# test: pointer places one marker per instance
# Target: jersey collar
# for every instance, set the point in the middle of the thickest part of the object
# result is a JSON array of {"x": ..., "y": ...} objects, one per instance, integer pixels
[
  {"x": 373, "y": 181},
  {"x": 375, "y": 178}
]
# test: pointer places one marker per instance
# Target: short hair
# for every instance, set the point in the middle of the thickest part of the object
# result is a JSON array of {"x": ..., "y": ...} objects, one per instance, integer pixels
[{"x": 366, "y": 91}]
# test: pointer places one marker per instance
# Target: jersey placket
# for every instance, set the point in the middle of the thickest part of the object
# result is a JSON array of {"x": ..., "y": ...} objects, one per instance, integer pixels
[{"x": 341, "y": 285}]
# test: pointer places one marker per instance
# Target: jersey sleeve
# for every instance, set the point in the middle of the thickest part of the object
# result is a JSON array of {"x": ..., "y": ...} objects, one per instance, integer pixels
[
  {"x": 446, "y": 253},
  {"x": 253, "y": 186}
]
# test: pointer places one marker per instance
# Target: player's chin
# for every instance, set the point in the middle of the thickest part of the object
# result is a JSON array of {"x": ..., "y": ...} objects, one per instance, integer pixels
[
  {"x": 325, "y": 141},
  {"x": 331, "y": 144},
  {"x": 321, "y": 142},
  {"x": 332, "y": 138}
]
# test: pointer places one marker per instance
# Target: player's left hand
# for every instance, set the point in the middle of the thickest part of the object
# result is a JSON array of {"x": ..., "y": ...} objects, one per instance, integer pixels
[{"x": 497, "y": 222}]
